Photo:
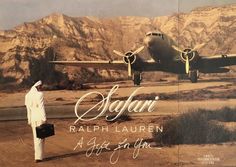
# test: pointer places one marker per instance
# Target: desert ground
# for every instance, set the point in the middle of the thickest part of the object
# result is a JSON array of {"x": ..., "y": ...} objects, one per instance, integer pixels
[{"x": 175, "y": 97}]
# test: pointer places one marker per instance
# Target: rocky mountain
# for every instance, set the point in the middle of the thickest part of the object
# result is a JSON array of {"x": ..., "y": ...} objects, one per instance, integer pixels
[{"x": 26, "y": 49}]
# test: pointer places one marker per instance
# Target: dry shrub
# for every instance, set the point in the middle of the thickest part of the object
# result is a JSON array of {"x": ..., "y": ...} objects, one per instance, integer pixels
[{"x": 197, "y": 127}]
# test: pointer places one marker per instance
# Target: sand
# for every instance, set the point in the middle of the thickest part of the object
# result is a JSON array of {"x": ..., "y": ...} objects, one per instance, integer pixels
[{"x": 16, "y": 145}]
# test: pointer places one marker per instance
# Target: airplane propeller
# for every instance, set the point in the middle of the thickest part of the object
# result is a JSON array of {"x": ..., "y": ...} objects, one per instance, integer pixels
[
  {"x": 187, "y": 65},
  {"x": 119, "y": 53},
  {"x": 138, "y": 50},
  {"x": 129, "y": 57},
  {"x": 177, "y": 49},
  {"x": 187, "y": 53},
  {"x": 197, "y": 47},
  {"x": 129, "y": 69}
]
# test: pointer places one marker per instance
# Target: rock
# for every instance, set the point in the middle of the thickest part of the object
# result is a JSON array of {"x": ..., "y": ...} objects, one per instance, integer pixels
[{"x": 26, "y": 49}]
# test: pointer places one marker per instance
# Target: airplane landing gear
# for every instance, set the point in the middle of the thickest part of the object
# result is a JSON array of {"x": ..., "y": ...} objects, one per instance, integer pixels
[
  {"x": 137, "y": 78},
  {"x": 193, "y": 76}
]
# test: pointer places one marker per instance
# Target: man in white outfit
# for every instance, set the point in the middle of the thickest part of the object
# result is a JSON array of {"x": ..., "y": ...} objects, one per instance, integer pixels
[{"x": 36, "y": 116}]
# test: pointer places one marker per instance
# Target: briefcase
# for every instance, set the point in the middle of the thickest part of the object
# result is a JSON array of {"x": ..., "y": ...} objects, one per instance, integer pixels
[{"x": 45, "y": 130}]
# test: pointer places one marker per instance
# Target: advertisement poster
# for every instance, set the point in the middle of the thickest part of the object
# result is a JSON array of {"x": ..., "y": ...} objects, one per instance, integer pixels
[{"x": 117, "y": 83}]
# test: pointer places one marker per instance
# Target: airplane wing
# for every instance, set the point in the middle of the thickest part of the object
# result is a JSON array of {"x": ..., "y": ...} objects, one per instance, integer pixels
[
  {"x": 103, "y": 64},
  {"x": 148, "y": 65},
  {"x": 218, "y": 60},
  {"x": 211, "y": 63}
]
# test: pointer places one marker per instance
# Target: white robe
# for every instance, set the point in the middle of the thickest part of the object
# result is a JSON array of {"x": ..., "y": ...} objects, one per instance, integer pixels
[{"x": 36, "y": 116}]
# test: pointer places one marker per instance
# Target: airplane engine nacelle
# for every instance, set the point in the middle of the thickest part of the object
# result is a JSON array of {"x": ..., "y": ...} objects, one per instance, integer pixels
[
  {"x": 192, "y": 55},
  {"x": 129, "y": 58}
]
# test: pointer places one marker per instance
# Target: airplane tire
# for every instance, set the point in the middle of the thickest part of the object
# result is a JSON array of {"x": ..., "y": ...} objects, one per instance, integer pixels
[
  {"x": 137, "y": 79},
  {"x": 193, "y": 76}
]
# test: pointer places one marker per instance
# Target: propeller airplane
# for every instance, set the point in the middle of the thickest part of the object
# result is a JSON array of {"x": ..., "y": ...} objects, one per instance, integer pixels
[{"x": 165, "y": 56}]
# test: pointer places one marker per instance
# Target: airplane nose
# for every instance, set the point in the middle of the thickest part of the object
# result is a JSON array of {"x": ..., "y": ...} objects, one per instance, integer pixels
[{"x": 149, "y": 41}]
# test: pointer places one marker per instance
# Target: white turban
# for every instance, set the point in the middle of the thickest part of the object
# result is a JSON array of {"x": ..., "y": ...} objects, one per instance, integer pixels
[
  {"x": 30, "y": 94},
  {"x": 37, "y": 83}
]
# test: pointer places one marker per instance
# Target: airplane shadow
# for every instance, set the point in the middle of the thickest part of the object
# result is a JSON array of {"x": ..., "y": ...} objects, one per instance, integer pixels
[
  {"x": 127, "y": 84},
  {"x": 218, "y": 80},
  {"x": 112, "y": 147}
]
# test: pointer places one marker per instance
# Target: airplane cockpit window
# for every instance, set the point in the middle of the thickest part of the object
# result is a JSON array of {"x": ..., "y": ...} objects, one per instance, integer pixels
[
  {"x": 149, "y": 34},
  {"x": 155, "y": 34}
]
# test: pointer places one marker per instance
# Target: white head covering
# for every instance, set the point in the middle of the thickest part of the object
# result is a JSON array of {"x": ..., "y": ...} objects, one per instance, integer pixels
[
  {"x": 37, "y": 83},
  {"x": 30, "y": 94}
]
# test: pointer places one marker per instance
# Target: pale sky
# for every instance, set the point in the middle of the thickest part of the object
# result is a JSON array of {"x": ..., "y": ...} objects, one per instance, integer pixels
[{"x": 15, "y": 12}]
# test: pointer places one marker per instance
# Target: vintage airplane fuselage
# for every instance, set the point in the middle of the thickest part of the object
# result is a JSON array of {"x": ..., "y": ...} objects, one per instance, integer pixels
[{"x": 160, "y": 47}]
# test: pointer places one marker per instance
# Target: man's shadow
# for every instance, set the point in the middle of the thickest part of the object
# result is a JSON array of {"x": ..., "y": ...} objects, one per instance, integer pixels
[{"x": 111, "y": 148}]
